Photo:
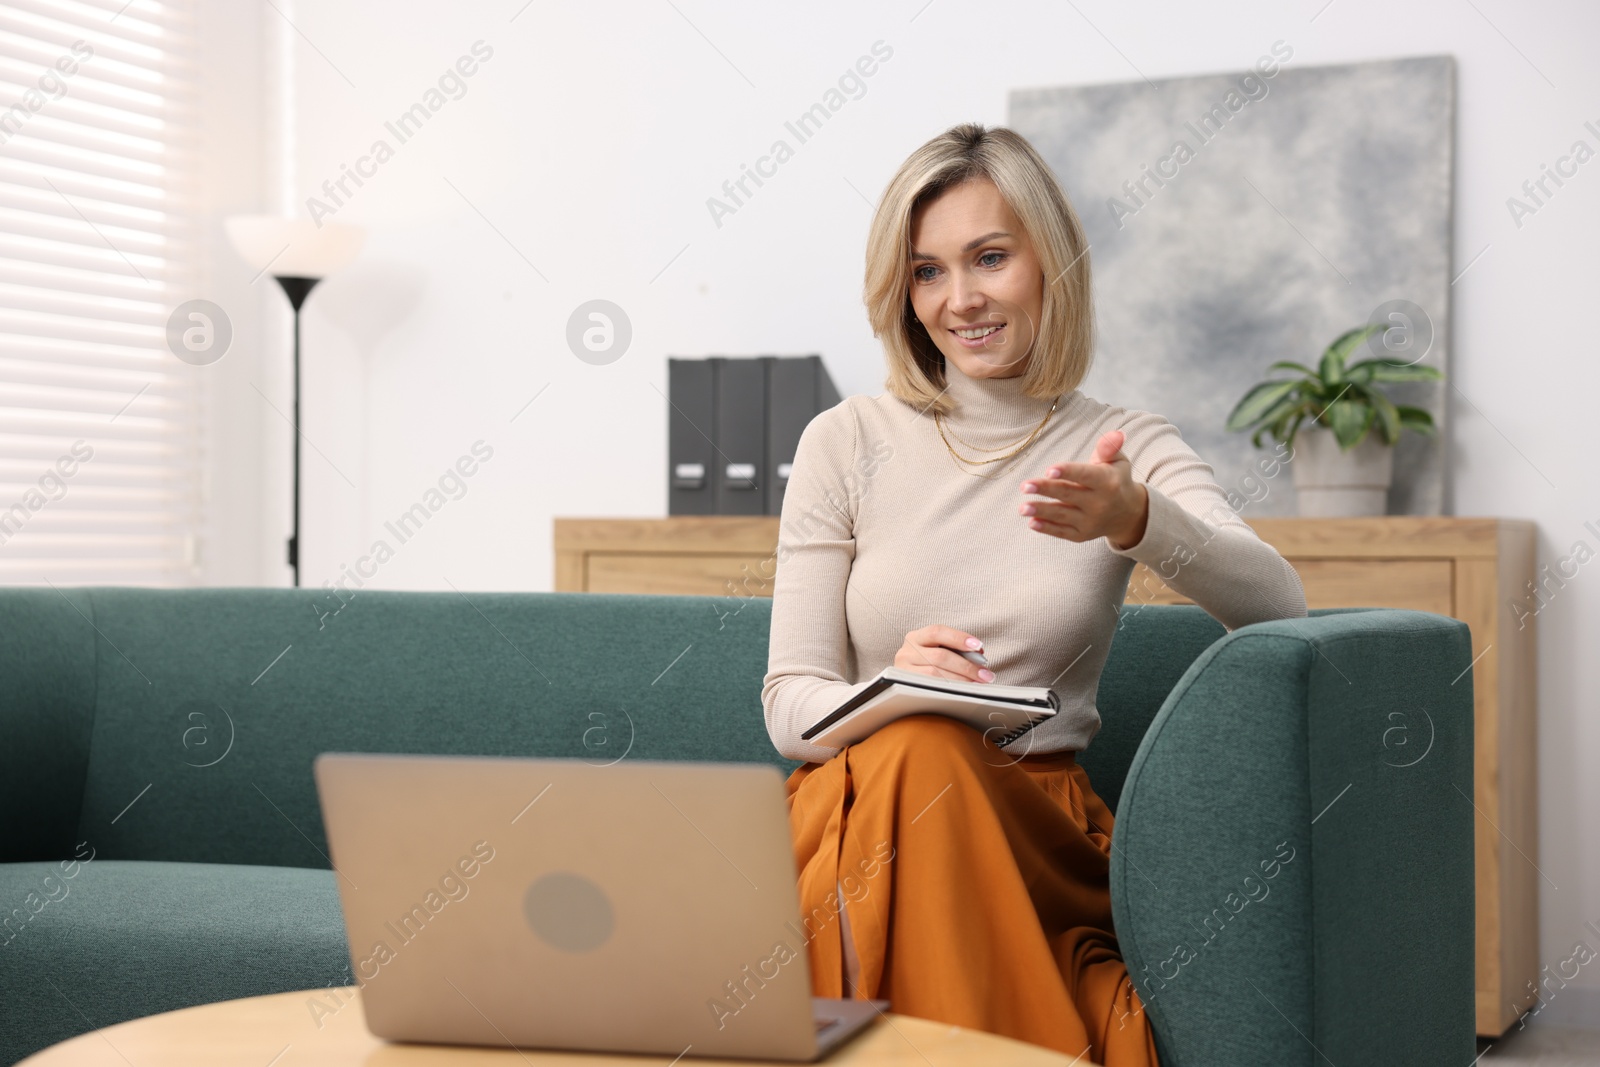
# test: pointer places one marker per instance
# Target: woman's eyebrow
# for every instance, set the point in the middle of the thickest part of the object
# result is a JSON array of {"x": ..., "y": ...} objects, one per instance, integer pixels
[{"x": 969, "y": 246}]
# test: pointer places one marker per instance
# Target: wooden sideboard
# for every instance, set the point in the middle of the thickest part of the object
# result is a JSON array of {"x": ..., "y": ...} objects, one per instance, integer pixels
[{"x": 1475, "y": 570}]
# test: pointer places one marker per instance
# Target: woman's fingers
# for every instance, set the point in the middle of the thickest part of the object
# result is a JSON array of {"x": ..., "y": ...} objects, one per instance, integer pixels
[
  {"x": 932, "y": 650},
  {"x": 1068, "y": 531},
  {"x": 966, "y": 672},
  {"x": 1107, "y": 448},
  {"x": 1057, "y": 510},
  {"x": 948, "y": 636},
  {"x": 1080, "y": 477}
]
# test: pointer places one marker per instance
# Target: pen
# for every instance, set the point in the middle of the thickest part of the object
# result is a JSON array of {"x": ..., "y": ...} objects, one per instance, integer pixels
[{"x": 973, "y": 657}]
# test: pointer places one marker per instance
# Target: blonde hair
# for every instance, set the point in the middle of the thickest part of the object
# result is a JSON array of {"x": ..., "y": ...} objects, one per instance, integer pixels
[{"x": 1064, "y": 342}]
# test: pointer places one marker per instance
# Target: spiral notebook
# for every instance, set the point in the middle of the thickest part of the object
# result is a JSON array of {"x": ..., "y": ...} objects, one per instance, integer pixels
[{"x": 1002, "y": 712}]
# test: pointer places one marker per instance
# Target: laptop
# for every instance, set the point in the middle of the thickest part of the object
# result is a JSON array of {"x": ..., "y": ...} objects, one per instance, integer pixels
[{"x": 641, "y": 907}]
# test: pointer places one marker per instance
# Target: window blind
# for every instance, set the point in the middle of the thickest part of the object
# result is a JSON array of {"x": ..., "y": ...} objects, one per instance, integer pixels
[{"x": 100, "y": 443}]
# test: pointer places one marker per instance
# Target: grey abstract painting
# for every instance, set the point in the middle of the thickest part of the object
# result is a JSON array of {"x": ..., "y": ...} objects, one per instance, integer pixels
[{"x": 1239, "y": 219}]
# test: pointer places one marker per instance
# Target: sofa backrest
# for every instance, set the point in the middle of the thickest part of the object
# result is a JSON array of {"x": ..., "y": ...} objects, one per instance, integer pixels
[{"x": 181, "y": 724}]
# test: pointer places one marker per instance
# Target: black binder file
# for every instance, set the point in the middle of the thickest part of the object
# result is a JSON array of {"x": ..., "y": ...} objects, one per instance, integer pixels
[
  {"x": 733, "y": 428},
  {"x": 798, "y": 389},
  {"x": 691, "y": 452},
  {"x": 741, "y": 434}
]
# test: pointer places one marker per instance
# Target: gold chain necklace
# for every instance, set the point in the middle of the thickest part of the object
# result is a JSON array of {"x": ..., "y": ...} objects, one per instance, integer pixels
[
  {"x": 950, "y": 431},
  {"x": 1027, "y": 441}
]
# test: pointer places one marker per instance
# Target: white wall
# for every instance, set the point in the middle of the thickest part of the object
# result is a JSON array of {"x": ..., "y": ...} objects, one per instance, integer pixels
[
  {"x": 589, "y": 143},
  {"x": 240, "y": 542}
]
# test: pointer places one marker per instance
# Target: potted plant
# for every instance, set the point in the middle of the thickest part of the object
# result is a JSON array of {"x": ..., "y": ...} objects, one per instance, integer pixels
[{"x": 1327, "y": 417}]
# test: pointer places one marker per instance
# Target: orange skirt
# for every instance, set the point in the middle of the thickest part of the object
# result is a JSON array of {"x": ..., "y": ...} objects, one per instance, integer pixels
[{"x": 975, "y": 885}]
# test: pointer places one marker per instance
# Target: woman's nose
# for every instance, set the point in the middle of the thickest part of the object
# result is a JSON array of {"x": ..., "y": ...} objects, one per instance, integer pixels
[{"x": 965, "y": 295}]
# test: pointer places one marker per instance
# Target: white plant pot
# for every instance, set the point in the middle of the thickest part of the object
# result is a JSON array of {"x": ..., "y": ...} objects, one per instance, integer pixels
[{"x": 1330, "y": 484}]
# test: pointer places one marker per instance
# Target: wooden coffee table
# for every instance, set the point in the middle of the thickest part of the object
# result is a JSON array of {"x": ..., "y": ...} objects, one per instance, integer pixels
[{"x": 279, "y": 1031}]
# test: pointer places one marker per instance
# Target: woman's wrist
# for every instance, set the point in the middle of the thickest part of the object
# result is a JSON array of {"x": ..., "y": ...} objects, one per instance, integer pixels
[{"x": 1132, "y": 532}]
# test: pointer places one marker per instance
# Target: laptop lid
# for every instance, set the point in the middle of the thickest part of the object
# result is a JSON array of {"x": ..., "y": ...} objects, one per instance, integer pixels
[{"x": 646, "y": 907}]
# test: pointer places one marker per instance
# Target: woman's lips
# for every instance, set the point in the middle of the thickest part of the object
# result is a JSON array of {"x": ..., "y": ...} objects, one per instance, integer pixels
[{"x": 980, "y": 342}]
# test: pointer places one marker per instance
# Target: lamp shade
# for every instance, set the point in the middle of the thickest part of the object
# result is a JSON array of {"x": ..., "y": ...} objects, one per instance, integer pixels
[{"x": 294, "y": 247}]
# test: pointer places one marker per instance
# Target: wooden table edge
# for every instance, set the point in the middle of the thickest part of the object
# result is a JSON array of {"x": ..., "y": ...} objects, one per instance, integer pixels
[{"x": 282, "y": 1029}]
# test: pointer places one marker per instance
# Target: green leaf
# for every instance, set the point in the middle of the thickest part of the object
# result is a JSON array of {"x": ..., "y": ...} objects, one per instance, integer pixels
[
  {"x": 1274, "y": 422},
  {"x": 1289, "y": 364},
  {"x": 1389, "y": 370},
  {"x": 1345, "y": 392},
  {"x": 1349, "y": 420},
  {"x": 1356, "y": 391},
  {"x": 1315, "y": 394},
  {"x": 1414, "y": 418},
  {"x": 1350, "y": 339},
  {"x": 1333, "y": 359},
  {"x": 1331, "y": 369},
  {"x": 1388, "y": 417},
  {"x": 1279, "y": 413},
  {"x": 1259, "y": 400},
  {"x": 1294, "y": 428}
]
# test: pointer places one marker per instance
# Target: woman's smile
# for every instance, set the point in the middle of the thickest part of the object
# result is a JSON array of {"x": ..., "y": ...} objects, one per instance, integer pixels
[{"x": 978, "y": 336}]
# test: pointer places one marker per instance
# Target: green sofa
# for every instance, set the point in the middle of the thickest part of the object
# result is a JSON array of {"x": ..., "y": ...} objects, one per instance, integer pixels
[{"x": 1292, "y": 868}]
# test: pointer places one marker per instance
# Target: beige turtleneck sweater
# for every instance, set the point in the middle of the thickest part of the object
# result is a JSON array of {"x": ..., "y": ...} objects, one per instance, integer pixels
[{"x": 883, "y": 532}]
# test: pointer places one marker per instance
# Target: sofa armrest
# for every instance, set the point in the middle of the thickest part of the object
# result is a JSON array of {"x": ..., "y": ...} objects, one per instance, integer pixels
[
  {"x": 47, "y": 666},
  {"x": 1292, "y": 869}
]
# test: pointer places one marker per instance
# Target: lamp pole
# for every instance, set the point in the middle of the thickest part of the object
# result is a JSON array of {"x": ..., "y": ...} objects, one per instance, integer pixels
[
  {"x": 304, "y": 252},
  {"x": 296, "y": 288}
]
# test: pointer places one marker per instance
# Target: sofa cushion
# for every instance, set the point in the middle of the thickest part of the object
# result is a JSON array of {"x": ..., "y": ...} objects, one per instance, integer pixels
[{"x": 88, "y": 944}]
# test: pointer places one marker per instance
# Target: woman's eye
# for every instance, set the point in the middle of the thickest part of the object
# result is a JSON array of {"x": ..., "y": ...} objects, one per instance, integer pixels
[
  {"x": 986, "y": 255},
  {"x": 918, "y": 275}
]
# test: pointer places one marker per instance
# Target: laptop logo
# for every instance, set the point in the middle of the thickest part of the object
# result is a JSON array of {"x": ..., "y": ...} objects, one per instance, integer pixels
[{"x": 569, "y": 912}]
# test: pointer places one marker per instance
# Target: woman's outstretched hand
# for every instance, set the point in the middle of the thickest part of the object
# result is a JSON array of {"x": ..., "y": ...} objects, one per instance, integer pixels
[
  {"x": 1088, "y": 500},
  {"x": 928, "y": 650}
]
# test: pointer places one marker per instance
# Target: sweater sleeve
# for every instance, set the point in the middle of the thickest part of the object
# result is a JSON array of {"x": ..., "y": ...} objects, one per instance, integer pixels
[
  {"x": 1196, "y": 542},
  {"x": 808, "y": 650}
]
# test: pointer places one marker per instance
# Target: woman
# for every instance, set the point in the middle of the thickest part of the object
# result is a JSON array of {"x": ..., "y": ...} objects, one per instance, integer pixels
[{"x": 982, "y": 504}]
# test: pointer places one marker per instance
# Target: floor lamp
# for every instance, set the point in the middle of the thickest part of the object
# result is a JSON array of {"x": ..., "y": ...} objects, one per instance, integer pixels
[{"x": 299, "y": 254}]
